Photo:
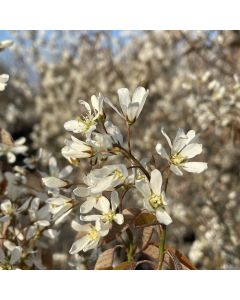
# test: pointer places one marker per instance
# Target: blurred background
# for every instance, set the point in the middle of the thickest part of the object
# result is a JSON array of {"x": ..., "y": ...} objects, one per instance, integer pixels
[{"x": 193, "y": 81}]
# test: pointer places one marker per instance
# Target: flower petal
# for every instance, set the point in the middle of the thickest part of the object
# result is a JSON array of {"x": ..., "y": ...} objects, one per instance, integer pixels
[
  {"x": 163, "y": 217},
  {"x": 191, "y": 150},
  {"x": 144, "y": 188},
  {"x": 156, "y": 182},
  {"x": 53, "y": 182},
  {"x": 79, "y": 245},
  {"x": 88, "y": 205},
  {"x": 176, "y": 170},
  {"x": 119, "y": 219},
  {"x": 114, "y": 200},
  {"x": 166, "y": 137},
  {"x": 15, "y": 255},
  {"x": 124, "y": 99},
  {"x": 161, "y": 151},
  {"x": 132, "y": 111},
  {"x": 194, "y": 167},
  {"x": 106, "y": 100}
]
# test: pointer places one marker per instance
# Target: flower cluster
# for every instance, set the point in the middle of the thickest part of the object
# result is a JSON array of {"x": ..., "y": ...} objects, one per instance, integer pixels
[{"x": 115, "y": 170}]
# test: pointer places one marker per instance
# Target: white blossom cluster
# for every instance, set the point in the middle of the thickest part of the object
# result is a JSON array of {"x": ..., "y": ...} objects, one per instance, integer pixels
[
  {"x": 102, "y": 143},
  {"x": 193, "y": 82}
]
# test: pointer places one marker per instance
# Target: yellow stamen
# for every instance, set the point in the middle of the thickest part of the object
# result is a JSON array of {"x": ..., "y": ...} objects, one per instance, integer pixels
[
  {"x": 93, "y": 233},
  {"x": 156, "y": 201},
  {"x": 118, "y": 174},
  {"x": 108, "y": 217},
  {"x": 177, "y": 159}
]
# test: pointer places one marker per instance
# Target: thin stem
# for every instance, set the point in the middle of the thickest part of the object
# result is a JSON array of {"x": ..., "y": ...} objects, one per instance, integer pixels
[
  {"x": 163, "y": 232},
  {"x": 121, "y": 200},
  {"x": 131, "y": 157},
  {"x": 162, "y": 246},
  {"x": 129, "y": 138}
]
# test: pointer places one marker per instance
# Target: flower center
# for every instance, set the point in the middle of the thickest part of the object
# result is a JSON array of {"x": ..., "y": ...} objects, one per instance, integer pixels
[
  {"x": 156, "y": 201},
  {"x": 117, "y": 174},
  {"x": 86, "y": 122},
  {"x": 93, "y": 233},
  {"x": 108, "y": 217},
  {"x": 177, "y": 159}
]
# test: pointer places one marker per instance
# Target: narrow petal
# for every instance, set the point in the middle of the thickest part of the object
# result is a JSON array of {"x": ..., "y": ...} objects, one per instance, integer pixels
[
  {"x": 191, "y": 150},
  {"x": 194, "y": 167},
  {"x": 114, "y": 200},
  {"x": 20, "y": 141},
  {"x": 86, "y": 105},
  {"x": 101, "y": 202},
  {"x": 104, "y": 206},
  {"x": 106, "y": 100},
  {"x": 103, "y": 185},
  {"x": 166, "y": 137},
  {"x": 90, "y": 218},
  {"x": 176, "y": 170},
  {"x": 53, "y": 166},
  {"x": 114, "y": 131},
  {"x": 15, "y": 255},
  {"x": 180, "y": 140},
  {"x": 79, "y": 245},
  {"x": 124, "y": 99},
  {"x": 53, "y": 182},
  {"x": 119, "y": 219},
  {"x": 88, "y": 205},
  {"x": 161, "y": 151},
  {"x": 80, "y": 228},
  {"x": 163, "y": 217},
  {"x": 65, "y": 172},
  {"x": 81, "y": 191},
  {"x": 132, "y": 111},
  {"x": 138, "y": 94},
  {"x": 74, "y": 126},
  {"x": 141, "y": 104},
  {"x": 156, "y": 182},
  {"x": 144, "y": 188},
  {"x": 91, "y": 245},
  {"x": 2, "y": 256}
]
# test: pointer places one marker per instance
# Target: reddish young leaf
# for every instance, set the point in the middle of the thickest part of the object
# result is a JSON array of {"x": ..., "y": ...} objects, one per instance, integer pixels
[
  {"x": 145, "y": 235},
  {"x": 145, "y": 219},
  {"x": 126, "y": 265},
  {"x": 182, "y": 258},
  {"x": 105, "y": 259},
  {"x": 152, "y": 251}
]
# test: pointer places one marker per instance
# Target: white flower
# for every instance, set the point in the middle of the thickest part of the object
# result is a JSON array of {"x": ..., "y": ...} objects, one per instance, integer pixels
[
  {"x": 131, "y": 108},
  {"x": 184, "y": 147},
  {"x": 53, "y": 182},
  {"x": 90, "y": 236},
  {"x": 8, "y": 209},
  {"x": 93, "y": 200},
  {"x": 114, "y": 132},
  {"x": 106, "y": 178},
  {"x": 11, "y": 149},
  {"x": 5, "y": 44},
  {"x": 154, "y": 198},
  {"x": 98, "y": 146},
  {"x": 60, "y": 205},
  {"x": 15, "y": 255},
  {"x": 76, "y": 149},
  {"x": 3, "y": 81},
  {"x": 108, "y": 213},
  {"x": 87, "y": 124}
]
